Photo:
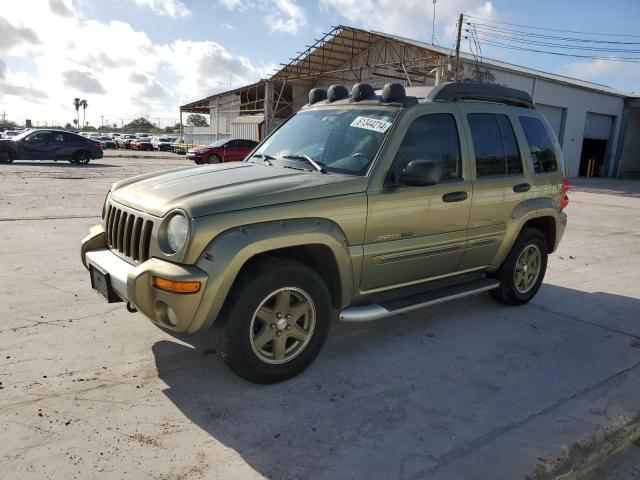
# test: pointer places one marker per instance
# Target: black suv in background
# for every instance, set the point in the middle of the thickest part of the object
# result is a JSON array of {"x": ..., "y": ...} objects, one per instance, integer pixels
[{"x": 45, "y": 144}]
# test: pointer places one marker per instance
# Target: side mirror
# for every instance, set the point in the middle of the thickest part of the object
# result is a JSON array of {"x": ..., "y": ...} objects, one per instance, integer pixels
[{"x": 420, "y": 173}]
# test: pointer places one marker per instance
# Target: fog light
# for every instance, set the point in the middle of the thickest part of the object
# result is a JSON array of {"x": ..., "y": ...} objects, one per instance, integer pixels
[
  {"x": 172, "y": 317},
  {"x": 175, "y": 286}
]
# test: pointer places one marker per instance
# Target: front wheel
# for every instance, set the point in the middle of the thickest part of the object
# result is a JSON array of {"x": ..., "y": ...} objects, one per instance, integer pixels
[
  {"x": 523, "y": 270},
  {"x": 213, "y": 158},
  {"x": 275, "y": 321}
]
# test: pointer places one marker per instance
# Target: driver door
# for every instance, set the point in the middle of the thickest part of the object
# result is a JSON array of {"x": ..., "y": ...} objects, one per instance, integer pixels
[
  {"x": 36, "y": 146},
  {"x": 415, "y": 233}
]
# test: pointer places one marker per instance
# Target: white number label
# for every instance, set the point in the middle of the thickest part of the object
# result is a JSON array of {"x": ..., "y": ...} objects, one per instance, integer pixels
[{"x": 367, "y": 123}]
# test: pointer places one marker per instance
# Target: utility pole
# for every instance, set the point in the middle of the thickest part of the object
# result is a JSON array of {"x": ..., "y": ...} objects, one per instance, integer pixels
[
  {"x": 102, "y": 116},
  {"x": 457, "y": 63},
  {"x": 433, "y": 24}
]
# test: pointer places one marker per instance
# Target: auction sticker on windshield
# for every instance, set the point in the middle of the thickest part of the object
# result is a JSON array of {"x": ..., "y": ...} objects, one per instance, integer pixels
[{"x": 371, "y": 124}]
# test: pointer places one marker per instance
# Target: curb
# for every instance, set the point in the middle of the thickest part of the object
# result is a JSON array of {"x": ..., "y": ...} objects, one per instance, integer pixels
[{"x": 584, "y": 456}]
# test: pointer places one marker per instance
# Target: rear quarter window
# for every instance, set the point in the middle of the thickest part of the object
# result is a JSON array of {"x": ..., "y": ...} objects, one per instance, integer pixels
[{"x": 543, "y": 156}]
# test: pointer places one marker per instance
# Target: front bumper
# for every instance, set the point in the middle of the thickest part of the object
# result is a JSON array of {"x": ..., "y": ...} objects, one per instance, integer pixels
[{"x": 133, "y": 283}]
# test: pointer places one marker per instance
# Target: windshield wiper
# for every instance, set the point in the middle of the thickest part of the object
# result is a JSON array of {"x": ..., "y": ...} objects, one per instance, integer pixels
[
  {"x": 265, "y": 157},
  {"x": 314, "y": 163}
]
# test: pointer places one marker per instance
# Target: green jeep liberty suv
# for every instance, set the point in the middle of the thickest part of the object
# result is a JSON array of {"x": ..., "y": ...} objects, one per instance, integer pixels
[{"x": 363, "y": 205}]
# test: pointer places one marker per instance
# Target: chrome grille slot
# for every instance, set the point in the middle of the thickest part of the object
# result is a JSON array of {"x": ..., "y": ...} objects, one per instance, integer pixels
[{"x": 128, "y": 233}]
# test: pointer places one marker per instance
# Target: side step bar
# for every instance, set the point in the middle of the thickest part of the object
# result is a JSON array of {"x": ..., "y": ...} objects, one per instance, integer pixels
[{"x": 376, "y": 311}]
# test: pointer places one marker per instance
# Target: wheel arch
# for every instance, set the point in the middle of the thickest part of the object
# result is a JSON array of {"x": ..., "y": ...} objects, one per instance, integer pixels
[{"x": 317, "y": 243}]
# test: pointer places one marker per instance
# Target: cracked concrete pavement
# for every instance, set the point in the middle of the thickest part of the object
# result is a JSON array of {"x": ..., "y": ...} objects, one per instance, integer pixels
[{"x": 469, "y": 389}]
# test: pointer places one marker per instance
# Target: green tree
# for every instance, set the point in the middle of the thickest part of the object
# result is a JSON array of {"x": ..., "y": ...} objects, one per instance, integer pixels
[
  {"x": 140, "y": 124},
  {"x": 75, "y": 122},
  {"x": 197, "y": 120},
  {"x": 76, "y": 104},
  {"x": 84, "y": 105}
]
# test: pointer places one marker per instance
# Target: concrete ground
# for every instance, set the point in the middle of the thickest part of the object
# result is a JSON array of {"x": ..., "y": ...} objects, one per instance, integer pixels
[{"x": 464, "y": 390}]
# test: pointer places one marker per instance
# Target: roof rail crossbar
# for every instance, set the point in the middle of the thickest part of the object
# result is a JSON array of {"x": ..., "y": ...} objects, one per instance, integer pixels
[{"x": 484, "y": 92}]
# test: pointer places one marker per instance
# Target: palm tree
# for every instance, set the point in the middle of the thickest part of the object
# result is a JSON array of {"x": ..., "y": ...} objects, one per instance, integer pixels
[
  {"x": 76, "y": 105},
  {"x": 84, "y": 105}
]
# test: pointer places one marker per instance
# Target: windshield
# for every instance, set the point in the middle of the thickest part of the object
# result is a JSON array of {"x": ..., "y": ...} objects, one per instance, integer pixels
[
  {"x": 219, "y": 143},
  {"x": 343, "y": 140}
]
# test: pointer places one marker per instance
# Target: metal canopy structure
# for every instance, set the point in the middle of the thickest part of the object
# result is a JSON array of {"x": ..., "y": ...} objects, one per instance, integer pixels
[{"x": 347, "y": 53}]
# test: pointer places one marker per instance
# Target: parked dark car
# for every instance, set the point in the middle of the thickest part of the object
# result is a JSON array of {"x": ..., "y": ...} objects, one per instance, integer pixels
[
  {"x": 221, "y": 151},
  {"x": 141, "y": 144},
  {"x": 45, "y": 144},
  {"x": 124, "y": 141}
]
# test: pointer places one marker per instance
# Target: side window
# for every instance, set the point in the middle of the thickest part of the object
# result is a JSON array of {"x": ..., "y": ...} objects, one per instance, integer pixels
[
  {"x": 58, "y": 137},
  {"x": 433, "y": 137},
  {"x": 543, "y": 156},
  {"x": 234, "y": 143},
  {"x": 494, "y": 144}
]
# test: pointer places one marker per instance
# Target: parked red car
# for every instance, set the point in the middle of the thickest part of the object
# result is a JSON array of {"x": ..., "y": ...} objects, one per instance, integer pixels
[
  {"x": 221, "y": 151},
  {"x": 141, "y": 144}
]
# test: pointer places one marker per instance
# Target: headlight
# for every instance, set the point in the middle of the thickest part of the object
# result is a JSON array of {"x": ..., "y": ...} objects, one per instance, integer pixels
[{"x": 177, "y": 232}]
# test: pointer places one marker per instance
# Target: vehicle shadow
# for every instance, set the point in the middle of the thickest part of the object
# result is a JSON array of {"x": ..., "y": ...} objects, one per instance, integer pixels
[
  {"x": 61, "y": 163},
  {"x": 395, "y": 398}
]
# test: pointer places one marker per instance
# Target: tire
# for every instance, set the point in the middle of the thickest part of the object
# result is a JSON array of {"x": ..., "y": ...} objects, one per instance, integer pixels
[
  {"x": 6, "y": 156},
  {"x": 259, "y": 342},
  {"x": 82, "y": 157},
  {"x": 518, "y": 282},
  {"x": 213, "y": 158}
]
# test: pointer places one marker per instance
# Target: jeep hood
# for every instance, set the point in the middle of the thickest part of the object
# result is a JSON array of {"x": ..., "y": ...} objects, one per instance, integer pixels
[{"x": 210, "y": 189}]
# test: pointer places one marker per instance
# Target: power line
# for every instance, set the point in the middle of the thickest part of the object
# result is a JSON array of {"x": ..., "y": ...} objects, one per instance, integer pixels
[
  {"x": 483, "y": 35},
  {"x": 555, "y": 29},
  {"x": 592, "y": 57},
  {"x": 493, "y": 29}
]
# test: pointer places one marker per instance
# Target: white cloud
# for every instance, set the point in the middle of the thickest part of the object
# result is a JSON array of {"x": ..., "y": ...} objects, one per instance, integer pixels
[
  {"x": 618, "y": 73},
  {"x": 119, "y": 70},
  {"x": 234, "y": 4},
  {"x": 281, "y": 16},
  {"x": 172, "y": 8},
  {"x": 409, "y": 18},
  {"x": 286, "y": 16},
  {"x": 60, "y": 7}
]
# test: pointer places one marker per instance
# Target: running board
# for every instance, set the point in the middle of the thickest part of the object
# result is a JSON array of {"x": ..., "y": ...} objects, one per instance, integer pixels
[{"x": 389, "y": 308}]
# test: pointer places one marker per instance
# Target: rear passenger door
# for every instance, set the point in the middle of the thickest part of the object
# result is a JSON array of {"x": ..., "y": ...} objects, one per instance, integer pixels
[{"x": 500, "y": 180}]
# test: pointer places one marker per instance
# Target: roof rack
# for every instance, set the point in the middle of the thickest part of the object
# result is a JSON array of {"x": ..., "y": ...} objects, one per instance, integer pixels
[{"x": 484, "y": 92}]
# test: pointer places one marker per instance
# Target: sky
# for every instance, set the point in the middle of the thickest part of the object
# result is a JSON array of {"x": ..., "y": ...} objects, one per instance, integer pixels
[{"x": 132, "y": 58}]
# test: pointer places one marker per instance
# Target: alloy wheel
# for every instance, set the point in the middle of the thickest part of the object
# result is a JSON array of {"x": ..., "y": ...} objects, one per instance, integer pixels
[
  {"x": 282, "y": 325},
  {"x": 527, "y": 268}
]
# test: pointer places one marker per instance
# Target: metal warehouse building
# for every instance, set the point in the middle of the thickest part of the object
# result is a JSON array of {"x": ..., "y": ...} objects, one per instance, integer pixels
[{"x": 593, "y": 122}]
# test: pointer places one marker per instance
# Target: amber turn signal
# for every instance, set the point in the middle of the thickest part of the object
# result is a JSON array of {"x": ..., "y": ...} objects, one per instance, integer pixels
[{"x": 175, "y": 286}]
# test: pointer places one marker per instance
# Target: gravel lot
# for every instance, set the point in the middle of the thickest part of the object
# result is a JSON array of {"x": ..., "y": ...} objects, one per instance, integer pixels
[{"x": 469, "y": 389}]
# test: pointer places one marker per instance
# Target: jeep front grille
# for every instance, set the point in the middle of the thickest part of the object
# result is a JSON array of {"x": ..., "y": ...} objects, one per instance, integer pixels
[{"x": 128, "y": 233}]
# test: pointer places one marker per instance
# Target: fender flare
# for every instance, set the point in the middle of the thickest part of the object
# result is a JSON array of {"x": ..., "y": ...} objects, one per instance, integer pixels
[
  {"x": 228, "y": 252},
  {"x": 521, "y": 214}
]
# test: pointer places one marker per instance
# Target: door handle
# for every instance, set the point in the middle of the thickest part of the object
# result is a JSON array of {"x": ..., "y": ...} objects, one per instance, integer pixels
[
  {"x": 522, "y": 187},
  {"x": 454, "y": 197}
]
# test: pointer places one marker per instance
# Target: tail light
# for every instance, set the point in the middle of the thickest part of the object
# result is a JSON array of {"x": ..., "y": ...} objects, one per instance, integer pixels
[
  {"x": 566, "y": 185},
  {"x": 99, "y": 145}
]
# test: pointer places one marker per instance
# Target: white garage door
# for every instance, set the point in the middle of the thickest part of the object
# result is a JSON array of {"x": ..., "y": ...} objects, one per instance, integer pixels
[
  {"x": 554, "y": 116},
  {"x": 598, "y": 126}
]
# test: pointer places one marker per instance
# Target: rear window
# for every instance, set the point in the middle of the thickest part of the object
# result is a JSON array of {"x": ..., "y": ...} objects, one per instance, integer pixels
[
  {"x": 494, "y": 144},
  {"x": 543, "y": 156}
]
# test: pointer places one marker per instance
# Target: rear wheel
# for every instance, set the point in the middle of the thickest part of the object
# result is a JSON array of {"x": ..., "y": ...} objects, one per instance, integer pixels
[
  {"x": 213, "y": 158},
  {"x": 523, "y": 270},
  {"x": 81, "y": 156},
  {"x": 275, "y": 321},
  {"x": 6, "y": 156}
]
